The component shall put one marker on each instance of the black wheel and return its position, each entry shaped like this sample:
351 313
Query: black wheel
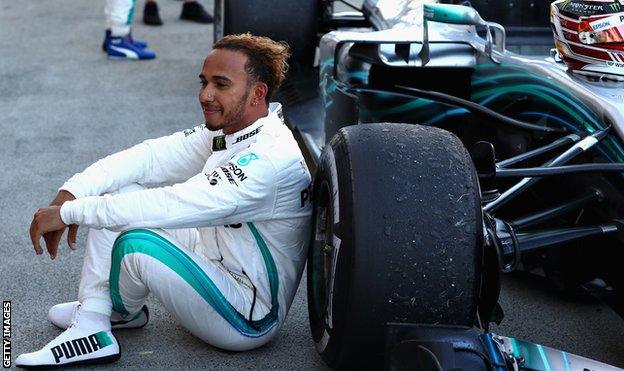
397 238
295 22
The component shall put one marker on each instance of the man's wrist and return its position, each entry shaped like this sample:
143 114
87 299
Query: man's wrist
73 190
61 197
66 193
66 214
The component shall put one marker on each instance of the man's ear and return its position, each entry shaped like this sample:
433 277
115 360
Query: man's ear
260 92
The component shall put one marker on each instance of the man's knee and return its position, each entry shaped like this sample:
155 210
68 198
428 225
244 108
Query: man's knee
134 241
141 241
128 242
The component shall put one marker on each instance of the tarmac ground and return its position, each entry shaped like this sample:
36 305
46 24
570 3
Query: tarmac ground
63 105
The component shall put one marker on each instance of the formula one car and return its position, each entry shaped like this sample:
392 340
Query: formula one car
443 156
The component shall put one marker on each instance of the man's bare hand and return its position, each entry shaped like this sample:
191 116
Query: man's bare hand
47 219
52 239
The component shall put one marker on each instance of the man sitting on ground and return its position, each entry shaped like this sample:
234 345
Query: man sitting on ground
222 249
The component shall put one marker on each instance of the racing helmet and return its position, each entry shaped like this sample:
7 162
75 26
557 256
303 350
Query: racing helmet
589 36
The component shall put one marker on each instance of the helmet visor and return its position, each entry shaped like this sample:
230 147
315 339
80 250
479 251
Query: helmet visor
603 30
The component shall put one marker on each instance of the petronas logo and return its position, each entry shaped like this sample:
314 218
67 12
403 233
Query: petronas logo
245 160
615 7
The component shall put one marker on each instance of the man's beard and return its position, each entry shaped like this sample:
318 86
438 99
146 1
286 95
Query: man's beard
234 116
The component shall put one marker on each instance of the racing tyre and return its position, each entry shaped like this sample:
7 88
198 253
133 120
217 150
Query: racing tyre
295 22
397 238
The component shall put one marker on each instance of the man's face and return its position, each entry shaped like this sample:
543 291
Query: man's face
224 93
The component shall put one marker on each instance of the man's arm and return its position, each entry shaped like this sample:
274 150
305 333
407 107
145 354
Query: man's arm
52 239
227 195
172 158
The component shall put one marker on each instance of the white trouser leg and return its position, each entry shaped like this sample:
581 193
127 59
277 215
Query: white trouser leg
93 292
201 295
119 15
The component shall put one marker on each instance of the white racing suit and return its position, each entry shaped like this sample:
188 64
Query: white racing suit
223 249
119 15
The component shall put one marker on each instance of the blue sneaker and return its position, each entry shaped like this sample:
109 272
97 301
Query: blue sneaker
107 37
123 48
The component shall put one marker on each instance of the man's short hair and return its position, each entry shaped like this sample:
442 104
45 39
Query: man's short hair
267 60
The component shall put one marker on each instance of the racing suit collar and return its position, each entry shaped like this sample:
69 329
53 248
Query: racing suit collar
275 115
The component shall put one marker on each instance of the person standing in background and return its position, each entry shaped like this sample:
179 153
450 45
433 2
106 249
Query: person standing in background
118 41
191 11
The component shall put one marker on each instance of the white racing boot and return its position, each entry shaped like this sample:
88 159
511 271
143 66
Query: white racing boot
88 340
61 316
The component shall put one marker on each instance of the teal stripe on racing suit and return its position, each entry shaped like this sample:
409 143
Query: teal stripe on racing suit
142 241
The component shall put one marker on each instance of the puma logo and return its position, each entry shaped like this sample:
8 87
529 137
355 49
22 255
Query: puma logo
81 346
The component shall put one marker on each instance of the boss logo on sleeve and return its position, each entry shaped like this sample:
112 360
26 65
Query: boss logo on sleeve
229 176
